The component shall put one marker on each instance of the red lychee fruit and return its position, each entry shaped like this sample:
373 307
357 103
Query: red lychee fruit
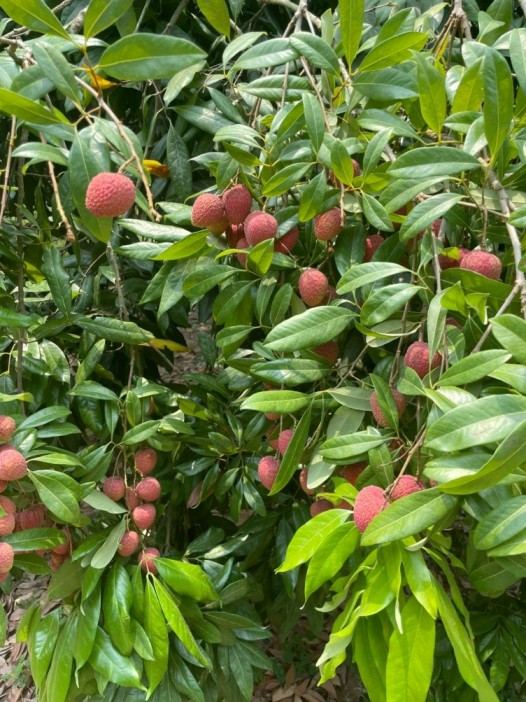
7 522
330 351
144 516
369 502
482 262
237 202
148 489
379 416
284 440
268 468
241 257
417 358
331 295
65 548
114 487
7 427
371 244
31 518
259 227
132 499
328 225
351 472
446 262
13 465
304 475
208 212
56 560
110 195
272 416
3 485
319 506
145 460
7 556
271 431
356 166
313 287
287 242
147 560
234 233
405 485
129 543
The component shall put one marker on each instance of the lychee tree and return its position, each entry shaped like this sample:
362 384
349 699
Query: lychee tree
338 194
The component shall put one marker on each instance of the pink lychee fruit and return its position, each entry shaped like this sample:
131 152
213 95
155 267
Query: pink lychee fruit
287 242
148 489
237 202
330 351
369 502
259 227
284 440
7 522
352 472
379 416
7 427
146 560
144 516
129 543
417 358
114 487
145 460
208 212
13 465
313 287
7 556
110 195
56 560
405 485
482 262
268 468
328 225
319 506
31 518
234 233
131 499
3 485
304 476
241 257
331 295
371 244
65 548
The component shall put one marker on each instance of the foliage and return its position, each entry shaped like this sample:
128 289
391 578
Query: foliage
409 120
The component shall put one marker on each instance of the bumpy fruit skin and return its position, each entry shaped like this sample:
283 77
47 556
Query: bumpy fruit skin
287 242
417 358
352 472
284 440
330 351
268 468
147 560
304 475
369 502
405 485
145 460
129 543
13 465
208 212
241 257
110 195
31 518
313 287
7 522
114 487
234 233
237 202
148 489
319 506
131 499
379 416
7 427
259 227
144 516
328 225
482 262
371 244
7 556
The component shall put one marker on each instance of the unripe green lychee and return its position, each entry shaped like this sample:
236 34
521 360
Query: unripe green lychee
146 560
284 440
417 358
144 516
319 506
7 556
114 487
352 472
110 195
237 202
7 427
145 460
208 212
129 543
287 242
328 225
259 226
330 351
13 465
405 485
313 287
378 414
304 476
482 262
268 468
148 489
371 244
369 502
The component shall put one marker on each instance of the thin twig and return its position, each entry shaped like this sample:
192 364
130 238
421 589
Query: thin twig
7 173
70 234
173 19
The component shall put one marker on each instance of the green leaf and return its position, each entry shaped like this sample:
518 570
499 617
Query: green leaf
420 580
57 69
65 581
57 278
375 213
474 367
59 674
379 120
351 445
432 161
411 654
312 197
316 51
389 84
191 245
330 556
292 455
310 328
367 273
389 52
43 417
283 180
113 666
310 537
155 628
204 279
289 371
272 52
35 539
407 516
510 332
384 302
36 15
501 524
99 501
102 14
117 600
469 93
115 330
88 619
141 432
27 110
187 579
41 643
216 12
107 551
432 94
341 163
351 23
518 56
498 100
279 401
59 493
425 214
259 260
314 121
144 56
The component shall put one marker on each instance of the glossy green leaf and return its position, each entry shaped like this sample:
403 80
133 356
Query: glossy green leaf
289 371
272 52
426 212
469 93
341 163
310 328
187 579
351 445
510 332
102 14
279 401
36 15
474 367
425 162
498 100
285 179
216 12
392 51
386 85
518 56
117 600
58 492
157 632
432 94
292 455
107 551
115 330
191 245
314 121
316 51
367 273
384 302
88 620
420 580
330 556
501 524
108 662
59 673
44 538
28 110
56 67
41 644
351 22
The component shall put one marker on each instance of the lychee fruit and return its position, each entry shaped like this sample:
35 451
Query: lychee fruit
284 440
287 242
7 556
272 416
351 472
259 227
148 489
304 476
371 244
319 506
56 560
446 262
405 485
482 262
65 548
237 202
356 166
379 416
331 295
31 518
114 487
453 322
241 257
330 351
144 516
7 522
417 358
13 465
369 502
129 543
147 560
3 485
268 468
132 499
234 233
313 287
7 427
208 212
110 195
328 225
145 460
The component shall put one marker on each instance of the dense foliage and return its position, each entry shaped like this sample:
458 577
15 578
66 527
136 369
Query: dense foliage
399 353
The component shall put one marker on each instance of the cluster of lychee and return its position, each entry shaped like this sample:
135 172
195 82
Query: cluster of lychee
138 499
